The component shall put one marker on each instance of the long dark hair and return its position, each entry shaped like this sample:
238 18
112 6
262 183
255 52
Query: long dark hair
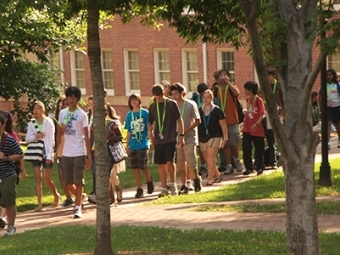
8 120
335 75
57 110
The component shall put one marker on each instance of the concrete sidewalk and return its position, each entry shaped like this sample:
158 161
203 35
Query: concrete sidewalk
132 212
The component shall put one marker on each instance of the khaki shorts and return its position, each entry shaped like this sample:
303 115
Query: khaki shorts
234 137
73 170
187 154
214 142
8 191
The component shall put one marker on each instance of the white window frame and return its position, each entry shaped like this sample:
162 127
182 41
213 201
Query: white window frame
156 64
219 59
73 72
110 92
60 66
185 72
128 90
338 62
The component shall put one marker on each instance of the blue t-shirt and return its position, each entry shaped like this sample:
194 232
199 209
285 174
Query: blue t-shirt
137 124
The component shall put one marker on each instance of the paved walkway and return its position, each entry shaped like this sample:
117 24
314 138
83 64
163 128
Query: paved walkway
132 212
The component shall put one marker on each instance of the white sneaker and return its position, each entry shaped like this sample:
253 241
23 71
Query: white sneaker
173 189
229 169
189 185
239 166
10 231
163 193
78 214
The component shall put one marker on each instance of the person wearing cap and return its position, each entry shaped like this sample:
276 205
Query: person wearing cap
164 118
186 156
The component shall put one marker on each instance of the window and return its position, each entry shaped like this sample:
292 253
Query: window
334 62
78 70
225 59
190 69
107 70
56 61
162 65
131 62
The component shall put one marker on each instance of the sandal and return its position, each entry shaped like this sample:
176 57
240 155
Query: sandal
119 195
219 179
209 183
56 203
39 209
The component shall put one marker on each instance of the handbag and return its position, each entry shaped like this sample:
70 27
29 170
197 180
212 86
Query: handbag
117 151
17 163
35 151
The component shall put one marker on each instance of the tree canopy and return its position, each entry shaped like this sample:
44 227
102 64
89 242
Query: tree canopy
39 28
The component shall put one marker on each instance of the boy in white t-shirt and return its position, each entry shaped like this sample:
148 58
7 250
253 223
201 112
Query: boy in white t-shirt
76 150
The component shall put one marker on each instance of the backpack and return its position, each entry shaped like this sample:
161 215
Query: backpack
238 105
17 164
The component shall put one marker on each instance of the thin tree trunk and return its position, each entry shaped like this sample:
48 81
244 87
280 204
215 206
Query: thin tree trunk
103 222
296 138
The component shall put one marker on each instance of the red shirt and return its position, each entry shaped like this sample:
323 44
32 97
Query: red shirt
255 109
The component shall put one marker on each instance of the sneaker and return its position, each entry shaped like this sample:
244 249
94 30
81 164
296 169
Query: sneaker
92 199
151 186
229 170
163 193
203 170
222 169
67 203
238 166
329 146
198 184
184 190
77 214
139 193
173 189
259 171
10 231
247 172
3 222
189 185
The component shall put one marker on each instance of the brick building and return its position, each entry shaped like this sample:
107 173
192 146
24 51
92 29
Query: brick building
135 57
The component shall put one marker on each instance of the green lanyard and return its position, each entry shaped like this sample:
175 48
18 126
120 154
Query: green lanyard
69 115
182 109
223 99
139 125
161 125
274 89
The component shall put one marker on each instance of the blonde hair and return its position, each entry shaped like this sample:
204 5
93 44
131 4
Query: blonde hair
42 106
208 91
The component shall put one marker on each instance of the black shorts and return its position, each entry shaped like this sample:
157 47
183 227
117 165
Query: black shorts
333 114
138 159
165 153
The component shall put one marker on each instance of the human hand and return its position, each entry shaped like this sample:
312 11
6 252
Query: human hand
88 162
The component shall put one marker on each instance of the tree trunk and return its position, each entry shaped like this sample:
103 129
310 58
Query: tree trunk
103 222
296 138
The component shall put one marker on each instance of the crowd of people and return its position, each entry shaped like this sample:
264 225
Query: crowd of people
174 127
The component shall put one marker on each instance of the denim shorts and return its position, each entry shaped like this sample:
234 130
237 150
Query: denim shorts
37 163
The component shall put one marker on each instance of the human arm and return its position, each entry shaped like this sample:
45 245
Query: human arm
31 133
233 88
88 161
180 125
49 139
223 125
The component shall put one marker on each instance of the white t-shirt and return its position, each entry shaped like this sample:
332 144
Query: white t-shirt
76 121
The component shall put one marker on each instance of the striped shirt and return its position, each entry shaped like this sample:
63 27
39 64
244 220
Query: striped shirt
7 168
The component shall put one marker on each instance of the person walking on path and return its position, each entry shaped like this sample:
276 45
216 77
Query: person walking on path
138 143
76 151
42 128
186 155
212 134
253 129
226 94
165 116
10 151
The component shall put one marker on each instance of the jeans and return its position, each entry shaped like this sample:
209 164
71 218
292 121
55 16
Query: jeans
247 146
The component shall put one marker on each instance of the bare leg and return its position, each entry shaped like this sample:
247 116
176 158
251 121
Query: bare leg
162 175
38 186
50 184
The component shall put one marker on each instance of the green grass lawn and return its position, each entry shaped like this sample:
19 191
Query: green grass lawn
57 240
265 186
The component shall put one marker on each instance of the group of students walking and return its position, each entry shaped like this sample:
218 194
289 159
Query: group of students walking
173 126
